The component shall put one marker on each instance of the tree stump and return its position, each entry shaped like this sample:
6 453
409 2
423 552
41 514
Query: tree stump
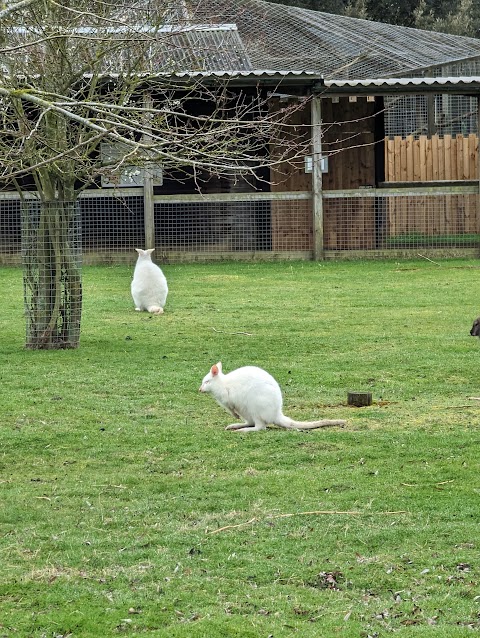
359 399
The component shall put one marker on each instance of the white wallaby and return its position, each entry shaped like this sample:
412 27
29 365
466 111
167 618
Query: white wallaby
149 286
253 395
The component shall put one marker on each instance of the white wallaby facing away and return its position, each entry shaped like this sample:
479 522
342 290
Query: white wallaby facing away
253 395
149 286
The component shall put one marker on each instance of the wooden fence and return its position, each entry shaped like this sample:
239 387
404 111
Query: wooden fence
428 159
431 158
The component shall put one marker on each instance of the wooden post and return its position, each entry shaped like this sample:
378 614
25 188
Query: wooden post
317 189
478 166
359 399
148 207
431 126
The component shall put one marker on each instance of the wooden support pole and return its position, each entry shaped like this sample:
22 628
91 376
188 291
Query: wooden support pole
148 209
148 206
478 165
317 188
431 125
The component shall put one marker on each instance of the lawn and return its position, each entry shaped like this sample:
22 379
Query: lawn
127 509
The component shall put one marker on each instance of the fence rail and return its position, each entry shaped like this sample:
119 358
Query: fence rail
432 158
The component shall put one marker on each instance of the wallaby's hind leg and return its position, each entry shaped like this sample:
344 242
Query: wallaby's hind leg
246 427
238 426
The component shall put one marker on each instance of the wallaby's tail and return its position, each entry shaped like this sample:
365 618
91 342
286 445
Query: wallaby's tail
286 422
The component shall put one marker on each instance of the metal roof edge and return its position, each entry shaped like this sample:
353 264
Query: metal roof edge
319 85
464 84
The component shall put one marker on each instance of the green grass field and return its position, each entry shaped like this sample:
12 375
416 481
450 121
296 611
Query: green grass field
127 509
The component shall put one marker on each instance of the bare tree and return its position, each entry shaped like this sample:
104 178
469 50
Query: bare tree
81 77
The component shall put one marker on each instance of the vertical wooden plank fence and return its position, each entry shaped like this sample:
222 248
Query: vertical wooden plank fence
431 158
427 159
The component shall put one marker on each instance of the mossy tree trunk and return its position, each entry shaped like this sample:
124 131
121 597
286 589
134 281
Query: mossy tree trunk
51 241
52 274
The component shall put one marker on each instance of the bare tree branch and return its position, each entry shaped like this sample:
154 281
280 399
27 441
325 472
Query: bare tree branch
12 8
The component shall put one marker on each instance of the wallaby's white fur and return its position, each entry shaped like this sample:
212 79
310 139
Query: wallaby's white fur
149 286
253 395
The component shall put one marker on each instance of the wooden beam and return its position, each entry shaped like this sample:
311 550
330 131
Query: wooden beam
477 208
148 209
148 206
431 125
317 186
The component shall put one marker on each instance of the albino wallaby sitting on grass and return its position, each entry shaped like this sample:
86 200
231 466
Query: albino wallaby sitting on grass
253 395
149 286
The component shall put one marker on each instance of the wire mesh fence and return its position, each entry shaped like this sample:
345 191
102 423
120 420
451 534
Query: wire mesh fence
111 223
10 228
386 221
241 227
51 255
226 225
435 114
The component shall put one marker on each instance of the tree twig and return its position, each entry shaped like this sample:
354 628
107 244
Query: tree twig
290 514
222 529
248 334
431 260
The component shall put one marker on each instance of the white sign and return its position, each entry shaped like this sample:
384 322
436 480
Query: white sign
129 175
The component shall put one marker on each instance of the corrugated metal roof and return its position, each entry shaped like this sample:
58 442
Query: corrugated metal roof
314 82
468 84
204 48
403 81
261 74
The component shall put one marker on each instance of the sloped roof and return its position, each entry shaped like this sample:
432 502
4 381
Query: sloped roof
203 47
245 36
283 38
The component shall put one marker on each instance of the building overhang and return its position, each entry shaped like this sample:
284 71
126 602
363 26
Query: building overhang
390 86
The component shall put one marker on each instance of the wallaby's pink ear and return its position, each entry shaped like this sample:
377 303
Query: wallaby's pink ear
139 250
216 368
149 251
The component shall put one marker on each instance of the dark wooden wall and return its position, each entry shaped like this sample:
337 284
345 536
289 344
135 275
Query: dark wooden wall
349 143
350 130
348 140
